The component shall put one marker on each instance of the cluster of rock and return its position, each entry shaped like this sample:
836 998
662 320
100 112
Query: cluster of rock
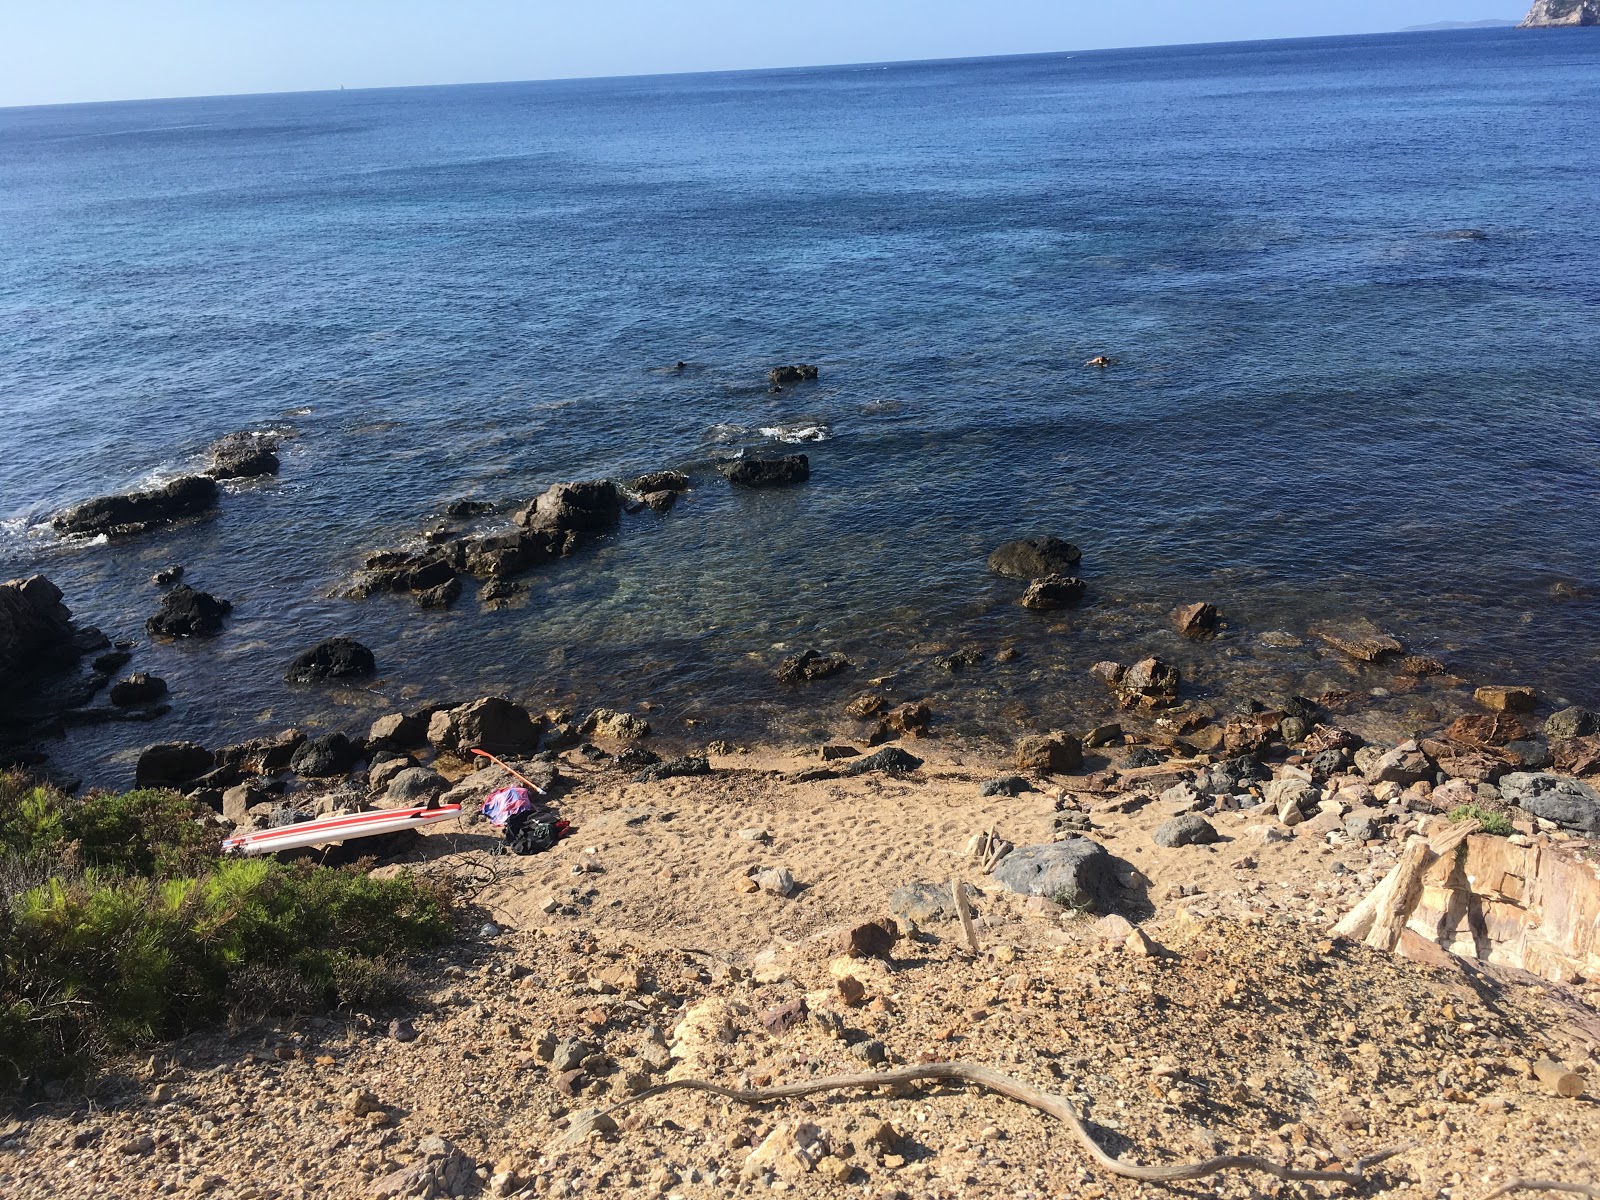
1044 564
236 456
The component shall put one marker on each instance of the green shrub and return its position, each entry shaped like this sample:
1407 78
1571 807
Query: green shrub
1496 823
125 950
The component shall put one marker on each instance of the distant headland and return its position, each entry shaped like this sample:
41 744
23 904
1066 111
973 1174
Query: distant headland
1445 26
1562 12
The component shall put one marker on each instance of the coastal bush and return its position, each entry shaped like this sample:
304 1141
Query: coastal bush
119 925
1496 823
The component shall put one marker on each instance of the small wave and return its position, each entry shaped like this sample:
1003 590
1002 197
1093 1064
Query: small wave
726 433
801 431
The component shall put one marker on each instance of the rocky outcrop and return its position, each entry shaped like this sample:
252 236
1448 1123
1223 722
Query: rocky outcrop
1034 558
243 456
1567 802
809 665
1547 13
35 626
138 688
769 472
1196 621
136 512
1056 753
1359 639
588 507
797 373
335 658
493 723
185 612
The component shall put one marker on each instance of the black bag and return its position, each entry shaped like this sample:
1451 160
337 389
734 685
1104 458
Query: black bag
524 835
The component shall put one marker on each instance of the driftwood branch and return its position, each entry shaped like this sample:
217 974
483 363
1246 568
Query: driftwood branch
1389 904
1005 1085
1543 1185
958 891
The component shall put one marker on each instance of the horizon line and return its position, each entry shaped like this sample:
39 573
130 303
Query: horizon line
834 66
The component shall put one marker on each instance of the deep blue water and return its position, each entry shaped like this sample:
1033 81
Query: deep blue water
1322 404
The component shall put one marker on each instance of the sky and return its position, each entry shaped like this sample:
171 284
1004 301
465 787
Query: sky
66 51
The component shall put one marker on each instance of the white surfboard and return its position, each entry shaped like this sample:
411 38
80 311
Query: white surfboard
338 828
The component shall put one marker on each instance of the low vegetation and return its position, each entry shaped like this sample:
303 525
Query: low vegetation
1496 823
120 925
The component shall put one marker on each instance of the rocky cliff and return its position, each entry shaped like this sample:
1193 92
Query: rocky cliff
1562 12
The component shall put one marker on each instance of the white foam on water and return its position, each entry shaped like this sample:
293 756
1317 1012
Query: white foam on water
803 431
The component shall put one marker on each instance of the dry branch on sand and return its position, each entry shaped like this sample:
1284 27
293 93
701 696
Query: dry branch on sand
1056 1106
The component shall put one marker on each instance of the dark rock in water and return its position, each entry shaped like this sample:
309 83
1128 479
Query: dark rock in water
243 456
441 595
661 481
1421 666
1197 621
1142 756
798 373
112 661
1053 592
891 759
319 757
335 658
1077 873
493 723
137 512
1108 672
922 903
1034 558
262 756
502 555
1463 235
427 574
167 576
905 720
185 612
1567 802
498 590
1571 723
959 660
694 764
1360 639
769 472
586 507
809 665
1189 829
138 688
660 502
1054 753
1006 785
461 510
172 765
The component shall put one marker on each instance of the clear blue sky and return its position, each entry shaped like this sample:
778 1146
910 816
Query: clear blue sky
56 51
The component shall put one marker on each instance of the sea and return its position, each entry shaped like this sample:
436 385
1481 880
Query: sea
1350 287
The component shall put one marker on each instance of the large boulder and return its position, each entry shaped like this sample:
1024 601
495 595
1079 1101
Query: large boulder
172 765
1196 621
243 456
589 506
335 658
398 731
412 787
1150 681
1571 722
320 757
35 626
1077 873
493 723
117 516
1186 829
1052 592
185 612
138 688
1034 558
1054 753
796 373
1567 802
1405 764
769 472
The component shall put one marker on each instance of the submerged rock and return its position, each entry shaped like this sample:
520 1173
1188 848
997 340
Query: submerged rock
243 456
1034 558
1359 639
335 658
138 688
809 665
797 373
185 612
1052 592
136 512
769 472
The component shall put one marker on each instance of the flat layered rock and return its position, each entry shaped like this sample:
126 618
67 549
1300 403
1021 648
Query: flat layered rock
136 512
1360 640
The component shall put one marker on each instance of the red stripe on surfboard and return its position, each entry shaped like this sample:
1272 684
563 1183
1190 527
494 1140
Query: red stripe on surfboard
356 821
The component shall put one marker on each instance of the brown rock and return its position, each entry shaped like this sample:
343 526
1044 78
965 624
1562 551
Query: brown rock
870 939
1196 621
865 706
1054 753
851 991
1052 592
1331 737
910 719
1505 699
1420 664
1150 679
1482 729
782 1017
1360 640
1577 756
1108 673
